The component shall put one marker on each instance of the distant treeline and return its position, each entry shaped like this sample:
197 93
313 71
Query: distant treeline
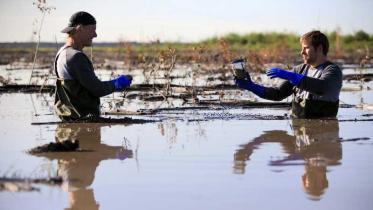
256 41
259 47
250 40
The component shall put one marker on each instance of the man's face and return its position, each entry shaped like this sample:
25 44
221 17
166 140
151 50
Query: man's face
88 32
309 53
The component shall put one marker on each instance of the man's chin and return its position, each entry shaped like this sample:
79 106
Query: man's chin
88 44
306 61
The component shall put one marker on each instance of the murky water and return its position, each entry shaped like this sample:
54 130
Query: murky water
174 164
223 158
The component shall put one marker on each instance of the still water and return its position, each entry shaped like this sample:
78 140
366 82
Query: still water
181 164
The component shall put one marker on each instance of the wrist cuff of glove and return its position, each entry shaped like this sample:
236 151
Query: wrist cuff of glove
297 79
116 85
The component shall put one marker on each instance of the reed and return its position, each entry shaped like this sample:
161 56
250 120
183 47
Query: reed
42 6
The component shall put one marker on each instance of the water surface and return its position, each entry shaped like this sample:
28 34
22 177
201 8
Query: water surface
218 158
179 164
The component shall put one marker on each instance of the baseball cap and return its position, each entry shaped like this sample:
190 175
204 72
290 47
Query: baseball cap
79 18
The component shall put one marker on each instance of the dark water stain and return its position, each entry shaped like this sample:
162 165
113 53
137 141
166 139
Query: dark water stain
64 146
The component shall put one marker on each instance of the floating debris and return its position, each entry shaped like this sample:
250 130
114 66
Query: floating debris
125 120
4 81
365 106
354 139
25 184
354 120
14 88
364 77
367 115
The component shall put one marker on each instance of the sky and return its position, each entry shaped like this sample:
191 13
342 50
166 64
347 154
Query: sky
184 20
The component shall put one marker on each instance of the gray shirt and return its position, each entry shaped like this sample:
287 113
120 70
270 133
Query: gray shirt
322 83
73 64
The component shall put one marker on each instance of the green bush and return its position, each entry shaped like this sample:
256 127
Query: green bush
257 41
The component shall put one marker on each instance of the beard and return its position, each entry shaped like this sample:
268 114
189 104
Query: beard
88 43
309 59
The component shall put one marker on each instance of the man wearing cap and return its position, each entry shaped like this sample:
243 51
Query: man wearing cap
78 90
315 84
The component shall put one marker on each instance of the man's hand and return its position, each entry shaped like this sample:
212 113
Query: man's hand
294 78
122 82
249 85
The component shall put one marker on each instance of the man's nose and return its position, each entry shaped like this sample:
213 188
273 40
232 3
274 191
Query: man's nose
302 52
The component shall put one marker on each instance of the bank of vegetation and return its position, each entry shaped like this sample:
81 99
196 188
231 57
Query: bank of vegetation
257 47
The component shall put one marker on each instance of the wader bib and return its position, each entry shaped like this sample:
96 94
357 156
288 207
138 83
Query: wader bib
308 107
72 100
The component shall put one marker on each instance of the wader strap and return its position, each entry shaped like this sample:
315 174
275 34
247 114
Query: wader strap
61 95
55 60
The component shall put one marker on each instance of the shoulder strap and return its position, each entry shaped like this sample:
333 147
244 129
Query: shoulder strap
55 60
304 69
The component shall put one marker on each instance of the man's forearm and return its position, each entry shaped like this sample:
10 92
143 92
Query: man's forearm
278 93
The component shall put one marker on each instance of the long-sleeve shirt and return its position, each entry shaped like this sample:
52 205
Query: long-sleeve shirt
78 90
73 64
317 95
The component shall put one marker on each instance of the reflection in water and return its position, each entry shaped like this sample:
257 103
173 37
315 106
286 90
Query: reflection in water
78 168
315 144
169 130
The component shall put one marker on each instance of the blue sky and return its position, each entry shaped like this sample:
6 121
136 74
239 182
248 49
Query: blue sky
188 20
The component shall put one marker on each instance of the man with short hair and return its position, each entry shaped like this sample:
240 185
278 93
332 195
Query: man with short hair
78 90
315 84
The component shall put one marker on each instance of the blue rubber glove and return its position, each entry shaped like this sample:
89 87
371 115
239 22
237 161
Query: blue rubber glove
294 78
121 82
249 85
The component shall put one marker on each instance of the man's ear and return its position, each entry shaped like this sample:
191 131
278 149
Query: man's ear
78 28
320 49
